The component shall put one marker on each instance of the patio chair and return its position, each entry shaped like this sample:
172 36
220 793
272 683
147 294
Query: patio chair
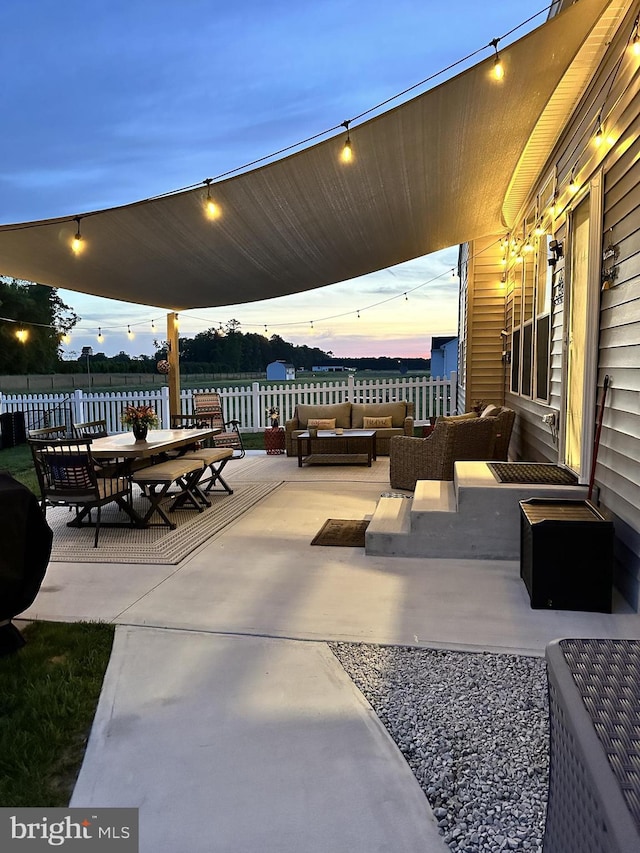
53 432
91 429
433 458
207 412
67 476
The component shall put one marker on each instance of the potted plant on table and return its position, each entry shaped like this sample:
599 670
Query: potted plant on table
139 418
274 416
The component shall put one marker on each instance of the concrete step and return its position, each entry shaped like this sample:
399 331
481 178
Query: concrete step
474 517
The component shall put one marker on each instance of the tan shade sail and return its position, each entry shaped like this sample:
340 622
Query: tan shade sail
426 175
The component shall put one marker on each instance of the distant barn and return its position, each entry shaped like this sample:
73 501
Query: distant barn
280 370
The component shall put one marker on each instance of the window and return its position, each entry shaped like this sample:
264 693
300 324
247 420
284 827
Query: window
529 304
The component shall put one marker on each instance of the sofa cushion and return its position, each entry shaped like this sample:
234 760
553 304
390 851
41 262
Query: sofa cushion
340 411
377 423
397 411
322 423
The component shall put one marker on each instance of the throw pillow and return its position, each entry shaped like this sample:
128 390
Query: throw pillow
377 423
322 423
490 412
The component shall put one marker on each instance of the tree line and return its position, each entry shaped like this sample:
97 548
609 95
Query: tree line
223 350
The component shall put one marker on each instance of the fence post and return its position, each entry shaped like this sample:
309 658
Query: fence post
453 392
165 412
1 403
255 405
77 407
351 385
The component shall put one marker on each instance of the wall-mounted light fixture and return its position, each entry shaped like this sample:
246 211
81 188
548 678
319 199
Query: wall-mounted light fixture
557 251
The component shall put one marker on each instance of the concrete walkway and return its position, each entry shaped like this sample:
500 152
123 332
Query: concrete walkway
227 730
248 744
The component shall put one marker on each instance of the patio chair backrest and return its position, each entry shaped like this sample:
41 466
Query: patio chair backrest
53 432
91 429
209 407
64 468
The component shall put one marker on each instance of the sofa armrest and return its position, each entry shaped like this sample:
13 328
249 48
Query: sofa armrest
289 427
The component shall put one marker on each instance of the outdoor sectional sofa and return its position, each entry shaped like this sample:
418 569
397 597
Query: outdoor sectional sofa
351 416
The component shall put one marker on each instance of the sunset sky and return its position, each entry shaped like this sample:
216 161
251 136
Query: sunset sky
113 102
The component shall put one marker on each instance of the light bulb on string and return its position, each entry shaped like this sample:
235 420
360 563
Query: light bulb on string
22 335
76 244
347 151
498 67
358 313
130 334
100 335
212 209
406 298
599 132
311 323
635 43
66 338
153 326
573 184
266 331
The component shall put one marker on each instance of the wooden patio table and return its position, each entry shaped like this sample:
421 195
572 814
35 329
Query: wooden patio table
124 447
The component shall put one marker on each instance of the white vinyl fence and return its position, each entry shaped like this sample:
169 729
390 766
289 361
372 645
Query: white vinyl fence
249 405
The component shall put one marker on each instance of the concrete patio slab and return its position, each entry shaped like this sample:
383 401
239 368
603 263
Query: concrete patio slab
244 744
230 732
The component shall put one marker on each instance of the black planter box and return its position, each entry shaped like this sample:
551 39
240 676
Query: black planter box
566 555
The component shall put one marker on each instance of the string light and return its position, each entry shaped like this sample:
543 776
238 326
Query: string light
358 313
212 209
66 338
635 44
22 335
100 335
311 323
498 67
77 244
599 132
153 327
573 184
266 331
130 334
347 151
406 298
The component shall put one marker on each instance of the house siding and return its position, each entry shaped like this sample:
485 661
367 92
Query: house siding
485 320
617 473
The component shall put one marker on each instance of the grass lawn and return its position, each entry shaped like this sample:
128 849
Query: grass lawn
49 690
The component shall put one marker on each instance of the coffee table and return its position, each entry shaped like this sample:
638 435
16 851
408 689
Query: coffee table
352 447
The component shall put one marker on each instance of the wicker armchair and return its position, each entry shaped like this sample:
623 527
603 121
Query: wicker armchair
432 458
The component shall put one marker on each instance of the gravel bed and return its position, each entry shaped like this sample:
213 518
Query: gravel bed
474 729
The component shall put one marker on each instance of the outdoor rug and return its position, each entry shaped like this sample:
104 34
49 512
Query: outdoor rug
345 532
154 545
276 468
533 473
